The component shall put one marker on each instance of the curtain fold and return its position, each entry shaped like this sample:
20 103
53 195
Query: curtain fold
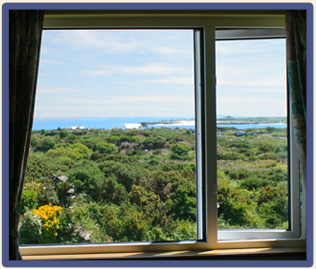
25 30
296 76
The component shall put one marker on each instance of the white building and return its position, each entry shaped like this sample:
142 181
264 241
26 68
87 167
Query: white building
132 126
77 127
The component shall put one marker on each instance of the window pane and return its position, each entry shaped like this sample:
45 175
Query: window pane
252 137
112 155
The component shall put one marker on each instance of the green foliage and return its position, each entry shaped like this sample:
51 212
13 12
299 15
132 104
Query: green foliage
63 134
188 167
89 224
180 152
233 208
127 176
184 230
140 185
253 182
158 142
238 173
76 151
30 228
62 189
36 168
183 201
106 148
47 192
29 200
34 142
126 138
109 190
85 178
46 144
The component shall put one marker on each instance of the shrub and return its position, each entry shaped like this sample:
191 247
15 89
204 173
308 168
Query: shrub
238 173
85 178
229 156
158 142
47 144
29 200
47 192
183 201
106 148
109 190
180 152
30 228
266 148
254 183
185 230
75 151
63 134
34 142
50 220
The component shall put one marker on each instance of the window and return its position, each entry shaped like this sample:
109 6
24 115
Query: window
113 143
253 144
205 27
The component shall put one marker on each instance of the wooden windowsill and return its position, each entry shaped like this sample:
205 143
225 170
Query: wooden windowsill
249 253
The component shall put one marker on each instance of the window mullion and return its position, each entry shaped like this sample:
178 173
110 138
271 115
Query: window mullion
210 134
198 133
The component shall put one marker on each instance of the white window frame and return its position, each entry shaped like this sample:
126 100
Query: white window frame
294 218
206 22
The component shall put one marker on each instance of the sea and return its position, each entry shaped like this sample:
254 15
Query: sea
109 123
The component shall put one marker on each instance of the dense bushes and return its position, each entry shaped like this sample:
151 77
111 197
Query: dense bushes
139 185
180 152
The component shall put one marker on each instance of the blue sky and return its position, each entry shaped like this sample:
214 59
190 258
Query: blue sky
251 78
130 73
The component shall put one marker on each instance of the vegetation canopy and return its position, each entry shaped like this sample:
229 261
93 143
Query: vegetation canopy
98 186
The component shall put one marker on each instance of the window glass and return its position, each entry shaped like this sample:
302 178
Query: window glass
252 136
112 155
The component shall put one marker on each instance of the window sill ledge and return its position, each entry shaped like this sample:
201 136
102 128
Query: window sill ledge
233 254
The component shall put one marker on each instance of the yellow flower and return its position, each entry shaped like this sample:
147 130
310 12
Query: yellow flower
49 215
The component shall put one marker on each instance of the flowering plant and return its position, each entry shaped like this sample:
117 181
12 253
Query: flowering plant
50 219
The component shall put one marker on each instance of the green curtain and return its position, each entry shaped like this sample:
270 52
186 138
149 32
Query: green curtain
25 30
296 76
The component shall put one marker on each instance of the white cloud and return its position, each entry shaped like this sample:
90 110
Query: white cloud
174 80
172 51
168 42
106 40
246 100
252 107
264 90
57 91
250 76
117 106
249 47
46 61
148 69
101 100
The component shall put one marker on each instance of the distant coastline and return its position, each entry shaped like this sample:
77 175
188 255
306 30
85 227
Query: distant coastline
225 121
149 122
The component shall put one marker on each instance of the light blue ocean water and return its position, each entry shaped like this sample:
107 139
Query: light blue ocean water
108 123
